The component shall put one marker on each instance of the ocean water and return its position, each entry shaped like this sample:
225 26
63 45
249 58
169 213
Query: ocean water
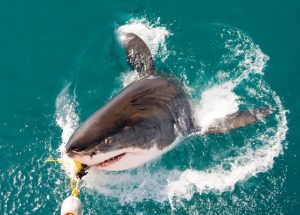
60 61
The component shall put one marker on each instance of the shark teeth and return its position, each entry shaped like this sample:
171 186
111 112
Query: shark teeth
110 160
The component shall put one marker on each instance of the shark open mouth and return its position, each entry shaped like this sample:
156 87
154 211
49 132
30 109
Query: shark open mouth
110 160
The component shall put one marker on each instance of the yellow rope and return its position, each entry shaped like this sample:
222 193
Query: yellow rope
55 160
75 190
78 167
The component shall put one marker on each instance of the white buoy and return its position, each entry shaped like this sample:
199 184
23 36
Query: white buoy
71 206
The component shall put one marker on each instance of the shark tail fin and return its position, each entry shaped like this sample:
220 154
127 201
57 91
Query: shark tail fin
138 54
238 119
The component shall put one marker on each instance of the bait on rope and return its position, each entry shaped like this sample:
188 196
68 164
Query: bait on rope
72 205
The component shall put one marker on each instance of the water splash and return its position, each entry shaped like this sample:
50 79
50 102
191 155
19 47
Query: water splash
132 186
153 34
67 119
215 103
129 77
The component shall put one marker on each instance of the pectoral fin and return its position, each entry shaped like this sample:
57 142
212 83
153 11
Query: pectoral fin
238 120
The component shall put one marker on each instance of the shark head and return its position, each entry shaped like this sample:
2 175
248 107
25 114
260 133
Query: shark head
128 148
133 128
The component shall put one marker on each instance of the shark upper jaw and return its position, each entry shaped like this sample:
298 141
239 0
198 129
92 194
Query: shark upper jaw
118 160
113 161
98 160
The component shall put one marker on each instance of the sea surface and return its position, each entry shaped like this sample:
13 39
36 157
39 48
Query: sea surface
61 60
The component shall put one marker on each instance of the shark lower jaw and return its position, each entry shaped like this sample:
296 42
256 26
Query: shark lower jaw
110 161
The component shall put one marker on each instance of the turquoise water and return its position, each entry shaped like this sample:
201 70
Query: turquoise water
60 61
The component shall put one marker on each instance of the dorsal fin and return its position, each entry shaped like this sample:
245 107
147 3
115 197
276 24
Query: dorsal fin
138 54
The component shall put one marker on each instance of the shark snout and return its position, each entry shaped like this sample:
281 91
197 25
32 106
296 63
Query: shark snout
76 147
69 148
72 146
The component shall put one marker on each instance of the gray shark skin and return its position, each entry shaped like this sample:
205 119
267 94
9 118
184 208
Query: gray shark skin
146 112
149 113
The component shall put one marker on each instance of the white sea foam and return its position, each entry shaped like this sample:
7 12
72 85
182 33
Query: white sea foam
129 77
152 34
216 102
131 186
67 119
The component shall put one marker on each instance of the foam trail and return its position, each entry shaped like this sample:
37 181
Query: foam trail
131 186
219 101
68 120
66 117
253 63
243 167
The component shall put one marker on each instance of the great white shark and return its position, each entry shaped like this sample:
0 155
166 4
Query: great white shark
145 120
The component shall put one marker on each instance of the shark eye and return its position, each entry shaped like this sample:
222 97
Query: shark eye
108 140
